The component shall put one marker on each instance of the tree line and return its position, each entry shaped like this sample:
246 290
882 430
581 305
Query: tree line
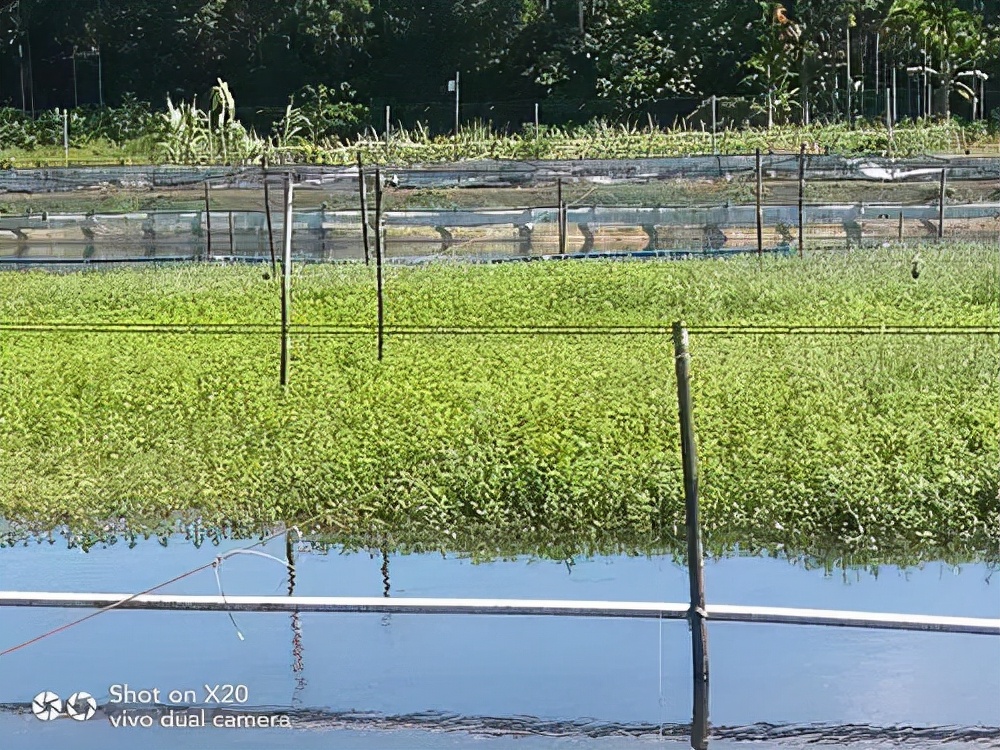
797 61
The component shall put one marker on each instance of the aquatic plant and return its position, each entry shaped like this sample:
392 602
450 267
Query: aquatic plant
868 444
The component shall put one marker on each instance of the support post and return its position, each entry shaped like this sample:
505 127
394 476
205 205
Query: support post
232 236
888 116
802 193
536 122
562 217
696 578
378 263
941 199
714 149
388 128
208 220
66 135
901 226
850 119
895 93
457 113
286 278
760 210
270 223
363 191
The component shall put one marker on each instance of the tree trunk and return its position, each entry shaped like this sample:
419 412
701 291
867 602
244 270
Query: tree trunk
942 95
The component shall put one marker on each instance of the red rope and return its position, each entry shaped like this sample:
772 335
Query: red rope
127 599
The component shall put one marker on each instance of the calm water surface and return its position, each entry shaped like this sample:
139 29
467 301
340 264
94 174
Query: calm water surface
398 681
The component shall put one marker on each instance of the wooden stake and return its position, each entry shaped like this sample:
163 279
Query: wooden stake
696 577
562 217
760 210
270 225
378 263
286 278
714 149
232 238
900 226
941 198
66 135
208 219
363 190
802 193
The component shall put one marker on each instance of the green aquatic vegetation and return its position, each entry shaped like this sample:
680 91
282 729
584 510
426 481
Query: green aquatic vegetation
872 445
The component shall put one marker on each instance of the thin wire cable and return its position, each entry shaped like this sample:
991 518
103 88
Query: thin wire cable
319 329
128 599
218 579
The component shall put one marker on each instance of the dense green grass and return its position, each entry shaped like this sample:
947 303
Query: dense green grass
884 445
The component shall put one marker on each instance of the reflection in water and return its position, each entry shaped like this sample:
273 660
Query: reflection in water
792 735
386 619
385 572
298 664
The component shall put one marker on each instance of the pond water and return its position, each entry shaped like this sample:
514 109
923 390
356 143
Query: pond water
401 681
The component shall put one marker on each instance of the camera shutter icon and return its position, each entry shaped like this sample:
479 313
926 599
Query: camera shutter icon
47 706
81 706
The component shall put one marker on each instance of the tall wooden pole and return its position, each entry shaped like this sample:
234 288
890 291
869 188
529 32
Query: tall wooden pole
562 217
363 190
802 193
941 199
696 576
714 149
378 263
760 210
208 220
232 235
270 223
286 278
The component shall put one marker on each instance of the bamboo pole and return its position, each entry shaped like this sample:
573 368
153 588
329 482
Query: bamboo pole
270 224
714 149
286 278
760 210
696 577
362 190
208 219
802 193
562 217
379 299
66 135
941 199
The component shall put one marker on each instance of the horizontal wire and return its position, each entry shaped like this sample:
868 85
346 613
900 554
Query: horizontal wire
248 329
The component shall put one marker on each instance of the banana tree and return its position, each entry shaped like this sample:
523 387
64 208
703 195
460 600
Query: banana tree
954 37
